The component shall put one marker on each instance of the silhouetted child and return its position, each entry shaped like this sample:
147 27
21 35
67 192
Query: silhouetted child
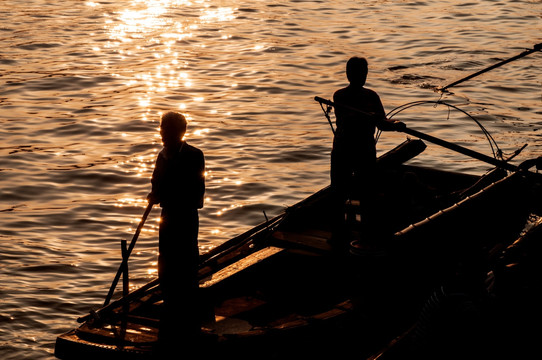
353 157
178 185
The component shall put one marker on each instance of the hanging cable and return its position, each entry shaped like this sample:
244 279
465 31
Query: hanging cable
497 153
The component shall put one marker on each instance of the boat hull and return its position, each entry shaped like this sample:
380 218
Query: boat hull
283 287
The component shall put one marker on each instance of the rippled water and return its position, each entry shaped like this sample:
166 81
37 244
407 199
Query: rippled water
83 85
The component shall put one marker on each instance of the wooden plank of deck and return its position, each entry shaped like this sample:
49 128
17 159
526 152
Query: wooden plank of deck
121 332
240 265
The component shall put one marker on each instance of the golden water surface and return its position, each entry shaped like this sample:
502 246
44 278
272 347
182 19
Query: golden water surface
83 84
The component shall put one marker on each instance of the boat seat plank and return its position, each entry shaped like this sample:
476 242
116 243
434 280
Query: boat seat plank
144 320
319 233
235 306
239 266
305 239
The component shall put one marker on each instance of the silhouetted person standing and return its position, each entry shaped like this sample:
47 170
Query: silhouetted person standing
178 185
353 158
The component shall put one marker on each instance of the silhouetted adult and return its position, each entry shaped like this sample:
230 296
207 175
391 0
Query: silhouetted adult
353 158
178 185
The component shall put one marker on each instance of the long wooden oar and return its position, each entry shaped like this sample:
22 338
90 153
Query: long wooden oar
537 47
124 262
461 149
434 140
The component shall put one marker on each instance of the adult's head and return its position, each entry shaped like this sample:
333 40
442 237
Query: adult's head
172 128
356 70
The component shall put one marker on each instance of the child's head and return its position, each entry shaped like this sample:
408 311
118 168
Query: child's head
172 128
356 70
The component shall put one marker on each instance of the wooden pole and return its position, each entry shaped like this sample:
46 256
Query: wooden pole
129 251
461 149
125 276
537 47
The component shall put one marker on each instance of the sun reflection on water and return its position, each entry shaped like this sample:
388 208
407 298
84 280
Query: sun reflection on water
159 33
152 30
151 26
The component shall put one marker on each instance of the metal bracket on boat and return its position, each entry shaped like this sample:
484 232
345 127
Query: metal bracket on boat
92 316
326 111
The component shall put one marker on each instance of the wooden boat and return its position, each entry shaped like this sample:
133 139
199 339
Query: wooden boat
281 290
503 318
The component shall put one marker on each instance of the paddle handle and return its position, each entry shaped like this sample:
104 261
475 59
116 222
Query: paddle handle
124 262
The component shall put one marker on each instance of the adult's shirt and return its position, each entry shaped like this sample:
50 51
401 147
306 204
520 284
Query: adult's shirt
178 179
